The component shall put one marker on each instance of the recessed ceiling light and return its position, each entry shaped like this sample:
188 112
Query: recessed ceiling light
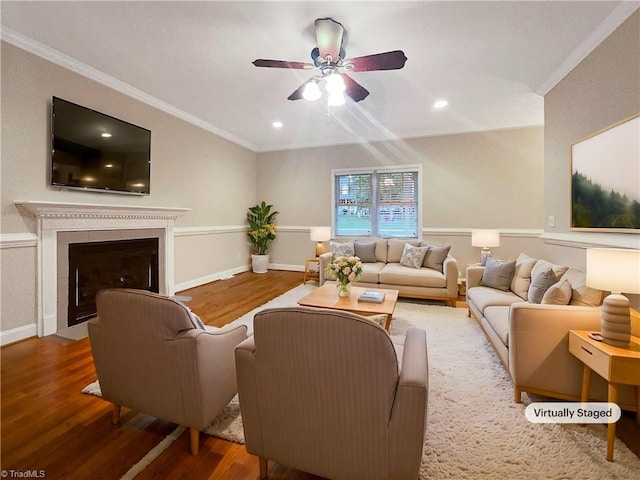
440 104
277 124
105 135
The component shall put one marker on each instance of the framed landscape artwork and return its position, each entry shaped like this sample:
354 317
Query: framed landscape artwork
605 179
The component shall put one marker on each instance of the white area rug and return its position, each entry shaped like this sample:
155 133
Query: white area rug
474 429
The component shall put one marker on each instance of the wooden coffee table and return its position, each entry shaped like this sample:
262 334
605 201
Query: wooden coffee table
327 297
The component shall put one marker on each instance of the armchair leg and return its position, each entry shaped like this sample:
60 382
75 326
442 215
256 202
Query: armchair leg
517 395
263 468
115 414
195 440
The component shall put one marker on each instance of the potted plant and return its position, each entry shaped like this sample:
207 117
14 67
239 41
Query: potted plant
262 230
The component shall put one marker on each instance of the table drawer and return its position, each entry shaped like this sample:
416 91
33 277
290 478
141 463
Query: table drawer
597 360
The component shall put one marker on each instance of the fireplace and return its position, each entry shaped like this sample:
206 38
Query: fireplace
94 266
61 224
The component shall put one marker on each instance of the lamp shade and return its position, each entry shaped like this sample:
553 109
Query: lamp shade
485 238
320 234
613 269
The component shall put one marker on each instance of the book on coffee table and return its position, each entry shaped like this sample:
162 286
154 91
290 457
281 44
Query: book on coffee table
371 297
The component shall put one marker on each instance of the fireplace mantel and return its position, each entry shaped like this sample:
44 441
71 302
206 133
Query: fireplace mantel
95 210
55 217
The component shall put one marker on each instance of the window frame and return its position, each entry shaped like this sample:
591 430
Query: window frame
375 206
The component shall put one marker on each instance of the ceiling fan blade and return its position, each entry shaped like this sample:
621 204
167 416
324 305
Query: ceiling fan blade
282 64
393 60
297 95
329 35
354 90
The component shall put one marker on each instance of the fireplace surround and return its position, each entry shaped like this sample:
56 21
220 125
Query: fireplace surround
59 224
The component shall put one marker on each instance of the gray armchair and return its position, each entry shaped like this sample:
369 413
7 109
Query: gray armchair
150 356
329 393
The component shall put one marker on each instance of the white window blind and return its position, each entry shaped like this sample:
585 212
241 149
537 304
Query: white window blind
382 203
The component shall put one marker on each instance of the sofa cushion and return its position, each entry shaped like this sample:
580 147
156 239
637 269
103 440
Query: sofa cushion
395 248
345 249
522 276
484 297
365 251
498 274
435 256
540 282
413 256
558 294
498 318
396 274
371 272
581 294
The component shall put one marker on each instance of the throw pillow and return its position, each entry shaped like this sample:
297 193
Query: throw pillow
366 251
345 249
498 274
435 256
582 295
413 256
522 276
540 282
395 247
558 294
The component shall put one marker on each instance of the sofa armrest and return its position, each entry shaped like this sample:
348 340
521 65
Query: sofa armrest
325 260
539 354
409 415
450 270
474 276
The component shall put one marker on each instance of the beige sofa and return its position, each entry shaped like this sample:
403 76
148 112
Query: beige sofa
532 339
437 277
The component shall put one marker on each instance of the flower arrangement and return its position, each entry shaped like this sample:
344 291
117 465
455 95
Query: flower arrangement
262 227
345 270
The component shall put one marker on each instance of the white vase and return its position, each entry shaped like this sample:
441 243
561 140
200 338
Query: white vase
259 263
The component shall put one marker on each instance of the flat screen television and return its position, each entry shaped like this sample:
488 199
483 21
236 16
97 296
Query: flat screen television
97 152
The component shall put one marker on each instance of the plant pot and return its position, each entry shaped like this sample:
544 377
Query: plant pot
259 263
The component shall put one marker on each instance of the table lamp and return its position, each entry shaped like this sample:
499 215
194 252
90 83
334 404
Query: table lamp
616 270
485 239
319 235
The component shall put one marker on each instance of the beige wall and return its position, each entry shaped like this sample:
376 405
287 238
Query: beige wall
190 167
507 179
476 180
602 90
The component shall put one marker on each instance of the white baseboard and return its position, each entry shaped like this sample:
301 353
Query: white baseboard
196 282
18 333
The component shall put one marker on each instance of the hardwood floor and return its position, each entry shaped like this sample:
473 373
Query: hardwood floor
47 425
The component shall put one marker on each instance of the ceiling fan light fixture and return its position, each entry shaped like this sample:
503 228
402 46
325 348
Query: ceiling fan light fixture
336 99
311 91
335 83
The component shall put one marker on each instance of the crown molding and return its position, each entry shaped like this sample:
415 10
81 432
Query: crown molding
606 28
54 56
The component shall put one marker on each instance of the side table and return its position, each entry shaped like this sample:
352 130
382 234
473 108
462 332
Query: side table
615 364
311 273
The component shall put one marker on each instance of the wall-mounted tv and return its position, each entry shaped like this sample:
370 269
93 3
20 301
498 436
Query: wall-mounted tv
94 151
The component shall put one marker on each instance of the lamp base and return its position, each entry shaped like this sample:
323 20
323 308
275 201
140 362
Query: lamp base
615 326
320 249
485 254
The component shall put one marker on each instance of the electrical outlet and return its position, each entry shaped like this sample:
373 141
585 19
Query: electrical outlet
551 221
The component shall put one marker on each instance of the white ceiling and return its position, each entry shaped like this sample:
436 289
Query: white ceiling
493 61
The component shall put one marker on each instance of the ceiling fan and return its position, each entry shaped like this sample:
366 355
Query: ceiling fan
329 58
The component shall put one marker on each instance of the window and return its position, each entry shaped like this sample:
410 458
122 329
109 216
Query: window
380 203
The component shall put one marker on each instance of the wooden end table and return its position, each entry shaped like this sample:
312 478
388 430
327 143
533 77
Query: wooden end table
309 274
327 297
615 364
